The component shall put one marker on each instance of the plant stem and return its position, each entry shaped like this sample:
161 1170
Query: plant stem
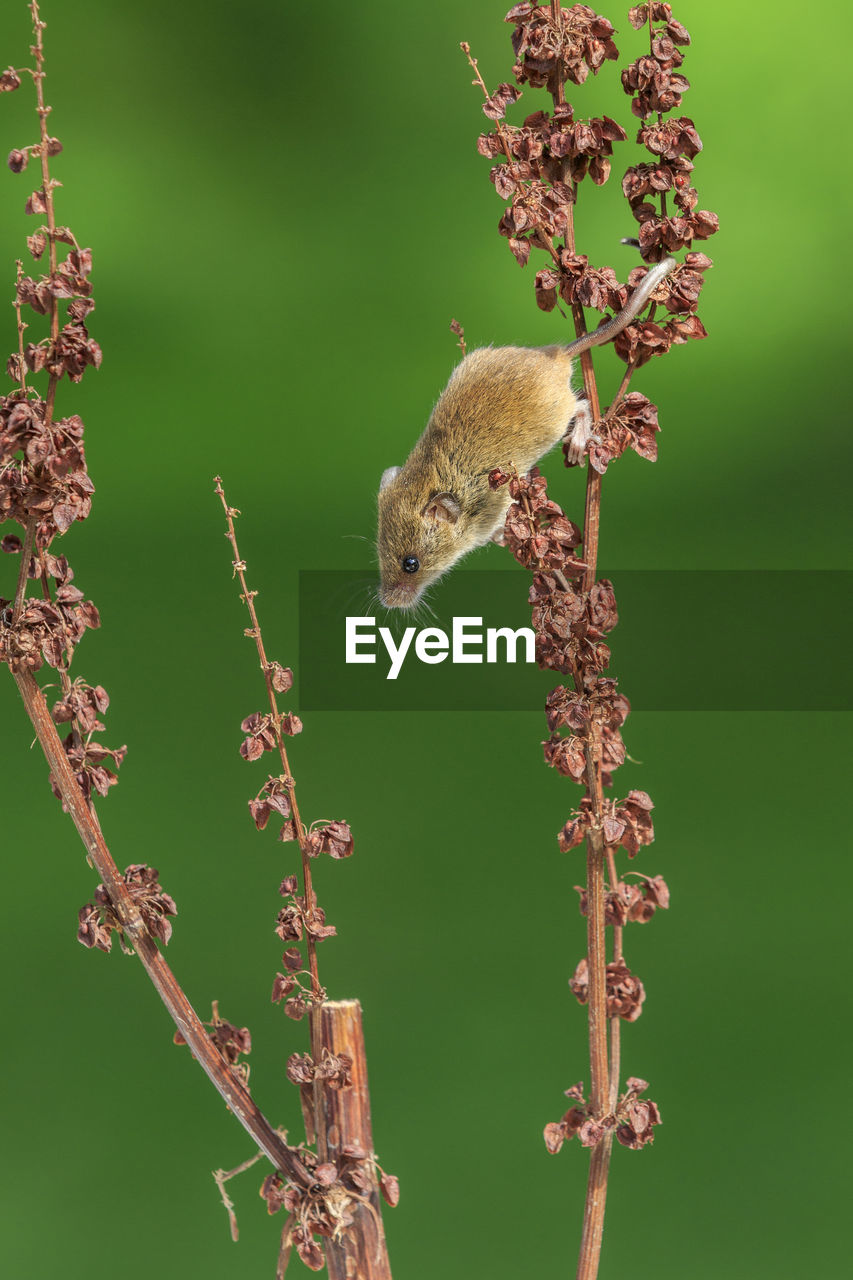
47 186
593 1218
600 1080
343 1118
266 667
597 974
22 367
26 556
615 1023
623 387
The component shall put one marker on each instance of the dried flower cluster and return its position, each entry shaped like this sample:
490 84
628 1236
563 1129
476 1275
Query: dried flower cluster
231 1042
46 630
98 919
637 902
657 87
631 423
327 1208
552 50
335 1069
543 159
632 1120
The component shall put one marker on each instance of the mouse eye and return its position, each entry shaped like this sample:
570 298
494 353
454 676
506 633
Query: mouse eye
411 564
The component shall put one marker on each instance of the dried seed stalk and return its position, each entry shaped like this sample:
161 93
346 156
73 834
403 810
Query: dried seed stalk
540 165
44 487
336 1220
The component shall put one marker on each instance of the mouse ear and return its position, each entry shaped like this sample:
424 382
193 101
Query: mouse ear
389 474
442 506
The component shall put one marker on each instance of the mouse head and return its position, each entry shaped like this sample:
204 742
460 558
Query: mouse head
420 536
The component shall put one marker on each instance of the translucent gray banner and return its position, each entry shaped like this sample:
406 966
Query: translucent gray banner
715 640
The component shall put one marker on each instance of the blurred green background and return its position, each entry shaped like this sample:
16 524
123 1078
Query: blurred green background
286 209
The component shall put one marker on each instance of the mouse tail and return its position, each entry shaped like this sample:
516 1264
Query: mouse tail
632 307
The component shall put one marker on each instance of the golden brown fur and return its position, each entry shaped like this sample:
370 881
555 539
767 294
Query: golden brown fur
502 406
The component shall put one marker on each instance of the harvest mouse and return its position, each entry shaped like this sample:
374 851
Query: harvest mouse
502 405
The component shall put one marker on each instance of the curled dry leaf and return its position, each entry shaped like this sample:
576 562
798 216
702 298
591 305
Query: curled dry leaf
282 987
504 96
390 1188
282 677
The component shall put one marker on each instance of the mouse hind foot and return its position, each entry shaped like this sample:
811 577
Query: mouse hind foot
578 434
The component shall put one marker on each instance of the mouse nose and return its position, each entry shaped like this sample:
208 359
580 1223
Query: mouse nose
398 595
